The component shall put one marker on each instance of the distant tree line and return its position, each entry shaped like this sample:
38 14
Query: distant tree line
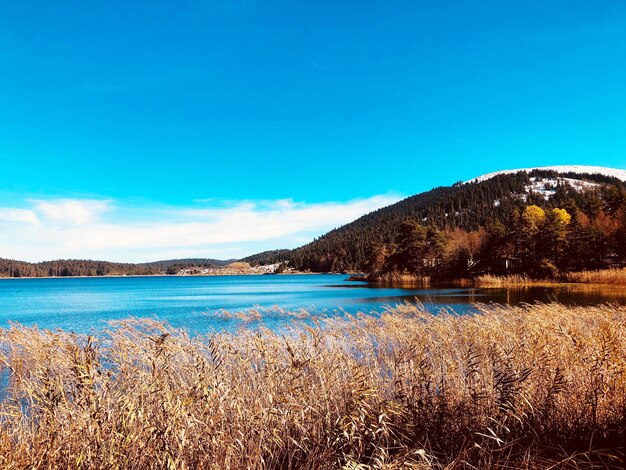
75 267
267 257
64 268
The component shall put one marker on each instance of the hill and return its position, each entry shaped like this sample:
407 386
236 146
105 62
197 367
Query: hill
73 267
209 262
76 267
572 169
468 207
464 228
268 257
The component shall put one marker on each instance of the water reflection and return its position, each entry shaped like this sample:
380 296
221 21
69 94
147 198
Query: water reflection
191 302
566 294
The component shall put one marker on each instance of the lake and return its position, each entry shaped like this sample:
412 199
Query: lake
197 303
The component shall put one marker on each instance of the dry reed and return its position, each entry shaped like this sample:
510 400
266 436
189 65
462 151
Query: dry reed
614 276
511 387
511 280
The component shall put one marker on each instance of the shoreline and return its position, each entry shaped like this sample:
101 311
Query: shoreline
494 282
156 275
420 283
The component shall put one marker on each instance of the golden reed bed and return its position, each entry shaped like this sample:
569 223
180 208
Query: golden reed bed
511 280
604 277
616 277
540 386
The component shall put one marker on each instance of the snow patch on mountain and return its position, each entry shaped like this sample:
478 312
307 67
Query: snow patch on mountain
580 169
547 187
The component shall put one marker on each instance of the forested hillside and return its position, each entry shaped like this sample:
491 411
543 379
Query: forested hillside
204 262
63 268
535 222
267 257
594 202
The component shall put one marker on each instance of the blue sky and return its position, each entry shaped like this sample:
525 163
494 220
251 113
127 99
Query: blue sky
135 114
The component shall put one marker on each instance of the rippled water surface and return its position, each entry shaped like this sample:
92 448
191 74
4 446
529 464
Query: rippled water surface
80 304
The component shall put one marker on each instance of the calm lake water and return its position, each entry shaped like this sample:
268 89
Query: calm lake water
197 303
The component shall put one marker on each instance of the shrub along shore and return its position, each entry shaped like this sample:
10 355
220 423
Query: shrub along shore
510 387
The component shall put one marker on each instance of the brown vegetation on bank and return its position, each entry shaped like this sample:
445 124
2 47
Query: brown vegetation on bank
399 279
512 280
615 277
511 387
608 277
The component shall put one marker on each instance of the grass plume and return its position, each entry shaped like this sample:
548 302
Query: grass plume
511 280
614 276
609 277
510 387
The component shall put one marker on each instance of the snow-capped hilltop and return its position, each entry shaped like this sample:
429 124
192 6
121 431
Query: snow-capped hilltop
614 172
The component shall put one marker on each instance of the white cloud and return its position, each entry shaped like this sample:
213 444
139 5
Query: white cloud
99 229
72 211
18 215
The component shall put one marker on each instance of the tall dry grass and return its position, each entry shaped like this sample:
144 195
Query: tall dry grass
540 386
615 276
510 280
